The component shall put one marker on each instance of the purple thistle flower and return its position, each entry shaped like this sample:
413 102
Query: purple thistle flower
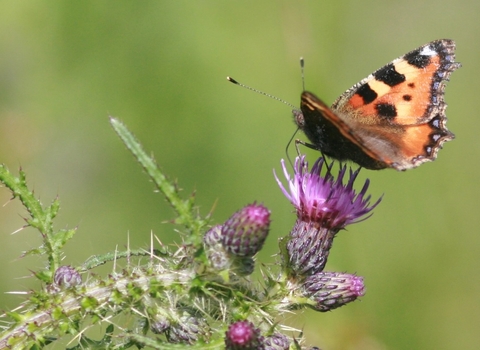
324 200
330 290
243 335
244 233
324 206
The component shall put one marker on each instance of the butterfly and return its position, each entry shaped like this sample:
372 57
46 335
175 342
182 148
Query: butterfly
394 118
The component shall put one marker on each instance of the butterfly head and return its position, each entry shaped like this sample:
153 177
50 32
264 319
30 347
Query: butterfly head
298 118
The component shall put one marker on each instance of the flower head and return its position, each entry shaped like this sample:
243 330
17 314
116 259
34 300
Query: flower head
243 335
244 233
66 277
324 206
213 236
330 290
277 341
159 325
326 200
187 330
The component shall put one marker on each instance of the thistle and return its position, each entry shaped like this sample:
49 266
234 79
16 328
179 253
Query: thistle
201 292
324 206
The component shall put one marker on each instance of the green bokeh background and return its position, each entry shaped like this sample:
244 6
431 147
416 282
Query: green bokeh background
160 66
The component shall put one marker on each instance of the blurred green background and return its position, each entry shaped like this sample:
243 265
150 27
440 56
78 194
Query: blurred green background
160 66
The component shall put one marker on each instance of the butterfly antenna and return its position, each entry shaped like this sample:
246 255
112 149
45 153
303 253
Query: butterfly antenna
302 69
294 109
230 79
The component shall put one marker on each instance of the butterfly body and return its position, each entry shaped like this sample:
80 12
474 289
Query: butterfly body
394 118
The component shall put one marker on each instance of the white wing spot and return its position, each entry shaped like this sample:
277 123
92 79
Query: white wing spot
428 51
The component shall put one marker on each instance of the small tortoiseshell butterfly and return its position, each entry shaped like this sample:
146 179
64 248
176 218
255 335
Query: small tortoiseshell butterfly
394 118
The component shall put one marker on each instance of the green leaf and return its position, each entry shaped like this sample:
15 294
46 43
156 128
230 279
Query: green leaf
185 208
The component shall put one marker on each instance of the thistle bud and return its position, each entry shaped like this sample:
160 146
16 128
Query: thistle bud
213 236
244 233
277 341
188 330
66 277
242 335
159 325
330 290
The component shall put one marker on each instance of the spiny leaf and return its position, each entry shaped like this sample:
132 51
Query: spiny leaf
184 208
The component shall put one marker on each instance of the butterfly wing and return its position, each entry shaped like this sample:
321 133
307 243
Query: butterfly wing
397 114
333 136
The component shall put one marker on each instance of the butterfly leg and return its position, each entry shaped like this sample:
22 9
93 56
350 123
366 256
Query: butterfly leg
297 142
309 145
